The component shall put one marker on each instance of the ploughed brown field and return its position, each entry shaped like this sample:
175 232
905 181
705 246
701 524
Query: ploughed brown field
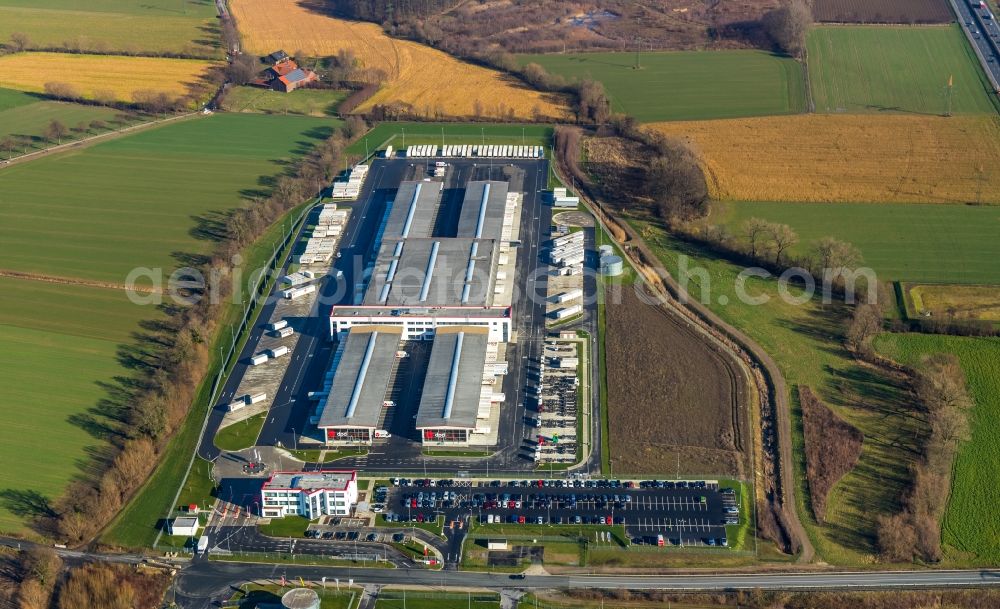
670 394
882 11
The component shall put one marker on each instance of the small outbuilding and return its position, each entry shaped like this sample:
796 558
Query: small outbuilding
184 526
496 544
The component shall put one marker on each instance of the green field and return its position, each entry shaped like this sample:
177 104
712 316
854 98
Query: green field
894 69
971 523
421 599
60 346
688 85
454 134
76 215
27 121
311 102
143 26
806 342
137 201
925 243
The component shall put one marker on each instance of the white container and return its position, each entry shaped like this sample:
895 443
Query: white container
569 295
281 323
257 397
278 351
569 311
234 406
260 358
284 332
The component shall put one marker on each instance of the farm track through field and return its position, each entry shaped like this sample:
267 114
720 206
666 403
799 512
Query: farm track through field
83 282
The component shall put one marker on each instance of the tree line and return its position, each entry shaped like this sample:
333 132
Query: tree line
939 388
150 408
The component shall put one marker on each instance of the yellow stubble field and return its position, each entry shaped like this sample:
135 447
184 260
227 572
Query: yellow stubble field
429 81
93 75
851 158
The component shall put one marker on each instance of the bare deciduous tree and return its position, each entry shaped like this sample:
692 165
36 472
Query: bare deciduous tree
788 25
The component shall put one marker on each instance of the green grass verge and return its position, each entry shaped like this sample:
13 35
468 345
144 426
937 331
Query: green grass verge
688 85
971 522
454 134
398 599
894 69
313 455
310 102
156 26
444 452
242 434
905 242
435 528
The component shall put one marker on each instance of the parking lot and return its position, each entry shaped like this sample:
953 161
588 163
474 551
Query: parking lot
553 394
686 512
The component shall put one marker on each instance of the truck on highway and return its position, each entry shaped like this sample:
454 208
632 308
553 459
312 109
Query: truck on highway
203 544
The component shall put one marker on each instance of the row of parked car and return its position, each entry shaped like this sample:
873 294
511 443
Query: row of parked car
607 520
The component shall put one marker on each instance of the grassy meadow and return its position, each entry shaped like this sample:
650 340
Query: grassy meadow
688 85
925 243
61 346
963 302
806 342
311 102
895 69
130 26
27 122
971 523
138 201
91 215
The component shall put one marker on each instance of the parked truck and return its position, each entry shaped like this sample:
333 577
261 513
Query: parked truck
568 312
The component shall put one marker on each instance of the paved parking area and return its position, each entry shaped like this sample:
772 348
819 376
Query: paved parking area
690 512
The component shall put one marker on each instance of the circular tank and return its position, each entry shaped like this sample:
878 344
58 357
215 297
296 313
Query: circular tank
606 250
611 266
300 598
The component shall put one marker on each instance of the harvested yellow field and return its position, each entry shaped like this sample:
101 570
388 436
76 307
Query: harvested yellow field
849 158
95 76
979 302
428 81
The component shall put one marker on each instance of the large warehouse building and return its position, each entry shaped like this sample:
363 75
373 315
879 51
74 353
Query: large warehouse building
363 367
455 289
421 281
458 389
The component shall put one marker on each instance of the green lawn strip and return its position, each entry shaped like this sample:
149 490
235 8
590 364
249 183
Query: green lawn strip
421 599
312 455
444 452
310 102
454 134
198 488
289 526
895 69
136 524
956 243
971 522
242 434
688 85
252 596
806 342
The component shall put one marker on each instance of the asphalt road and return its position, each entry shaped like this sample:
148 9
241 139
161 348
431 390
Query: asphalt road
984 34
204 582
